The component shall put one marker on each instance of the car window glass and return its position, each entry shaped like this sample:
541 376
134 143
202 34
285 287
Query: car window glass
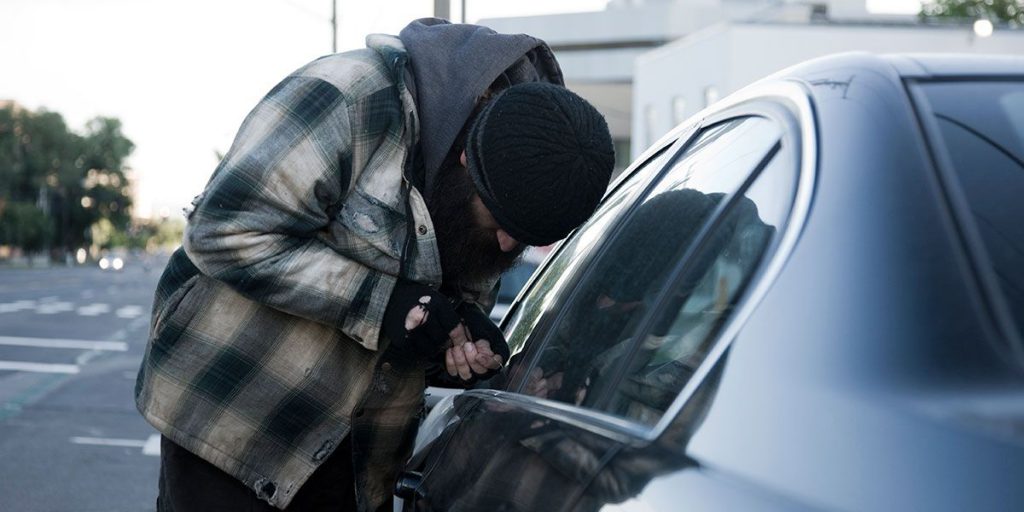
984 138
572 254
702 297
598 320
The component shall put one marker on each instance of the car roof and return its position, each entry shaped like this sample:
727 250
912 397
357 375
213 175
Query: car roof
891 67
911 65
956 65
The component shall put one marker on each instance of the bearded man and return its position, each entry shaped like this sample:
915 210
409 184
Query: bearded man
345 251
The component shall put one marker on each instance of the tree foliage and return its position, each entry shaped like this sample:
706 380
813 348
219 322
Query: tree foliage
24 225
1007 11
71 181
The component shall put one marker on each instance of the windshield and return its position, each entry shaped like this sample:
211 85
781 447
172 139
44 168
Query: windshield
982 129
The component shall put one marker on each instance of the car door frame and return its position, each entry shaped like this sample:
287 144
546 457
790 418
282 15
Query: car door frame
788 102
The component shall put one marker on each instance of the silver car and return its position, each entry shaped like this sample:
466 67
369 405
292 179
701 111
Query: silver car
810 296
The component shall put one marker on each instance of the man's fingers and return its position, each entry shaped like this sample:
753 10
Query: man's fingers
461 365
472 357
496 362
449 361
537 386
417 315
556 380
485 357
459 335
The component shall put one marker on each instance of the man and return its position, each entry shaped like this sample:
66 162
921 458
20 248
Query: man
346 247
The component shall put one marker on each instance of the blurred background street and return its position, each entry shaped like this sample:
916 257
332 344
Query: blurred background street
114 113
70 344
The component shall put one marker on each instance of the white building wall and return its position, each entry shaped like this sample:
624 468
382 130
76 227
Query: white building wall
671 74
729 57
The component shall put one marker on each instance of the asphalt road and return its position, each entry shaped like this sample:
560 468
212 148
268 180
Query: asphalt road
71 340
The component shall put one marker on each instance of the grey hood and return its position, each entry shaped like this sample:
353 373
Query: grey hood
452 65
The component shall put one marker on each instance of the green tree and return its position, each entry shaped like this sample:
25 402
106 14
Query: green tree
103 190
1007 11
73 180
24 225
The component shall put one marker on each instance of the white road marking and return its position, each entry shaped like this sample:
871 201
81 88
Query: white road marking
150 446
21 366
114 346
94 309
52 308
129 312
102 441
12 307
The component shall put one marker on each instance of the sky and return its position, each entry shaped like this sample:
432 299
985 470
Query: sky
181 75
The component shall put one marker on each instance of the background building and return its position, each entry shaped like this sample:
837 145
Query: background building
649 64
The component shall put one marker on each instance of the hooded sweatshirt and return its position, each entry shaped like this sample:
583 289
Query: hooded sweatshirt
452 65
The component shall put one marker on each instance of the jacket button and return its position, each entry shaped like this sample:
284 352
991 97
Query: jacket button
422 229
386 366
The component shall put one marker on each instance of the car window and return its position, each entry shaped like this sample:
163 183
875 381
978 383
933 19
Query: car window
596 324
982 129
571 256
701 296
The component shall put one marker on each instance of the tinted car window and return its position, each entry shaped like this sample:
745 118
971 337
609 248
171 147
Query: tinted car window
597 323
982 129
571 256
702 295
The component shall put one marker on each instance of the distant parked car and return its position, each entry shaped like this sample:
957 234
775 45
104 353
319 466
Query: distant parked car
111 262
513 281
810 296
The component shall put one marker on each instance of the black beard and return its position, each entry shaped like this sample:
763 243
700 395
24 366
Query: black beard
469 253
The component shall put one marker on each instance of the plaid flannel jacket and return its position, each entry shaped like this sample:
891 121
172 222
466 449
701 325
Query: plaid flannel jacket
263 350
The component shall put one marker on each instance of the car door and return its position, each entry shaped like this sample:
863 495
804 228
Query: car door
671 375
543 437
499 450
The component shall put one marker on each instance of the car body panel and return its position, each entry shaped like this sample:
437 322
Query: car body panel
862 371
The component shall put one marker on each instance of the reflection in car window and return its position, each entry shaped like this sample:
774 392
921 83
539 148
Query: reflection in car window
697 304
572 255
985 141
599 320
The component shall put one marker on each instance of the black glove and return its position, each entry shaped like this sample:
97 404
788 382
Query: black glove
427 341
482 328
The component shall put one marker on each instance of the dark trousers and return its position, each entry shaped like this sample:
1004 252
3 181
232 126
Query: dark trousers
190 484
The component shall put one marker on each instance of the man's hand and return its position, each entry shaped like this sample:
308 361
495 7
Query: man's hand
472 359
487 350
539 385
420 322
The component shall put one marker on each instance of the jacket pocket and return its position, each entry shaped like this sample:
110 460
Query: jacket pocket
178 310
366 222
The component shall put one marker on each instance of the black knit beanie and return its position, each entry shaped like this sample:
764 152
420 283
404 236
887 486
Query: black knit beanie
541 158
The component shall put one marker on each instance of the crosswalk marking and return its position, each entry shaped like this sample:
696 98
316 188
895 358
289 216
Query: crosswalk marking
129 312
14 307
115 346
94 309
23 366
102 441
54 306
150 446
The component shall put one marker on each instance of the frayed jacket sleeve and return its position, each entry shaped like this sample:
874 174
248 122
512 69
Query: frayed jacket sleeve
257 225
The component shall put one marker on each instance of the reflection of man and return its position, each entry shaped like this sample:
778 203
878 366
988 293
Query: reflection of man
614 298
600 330
349 241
